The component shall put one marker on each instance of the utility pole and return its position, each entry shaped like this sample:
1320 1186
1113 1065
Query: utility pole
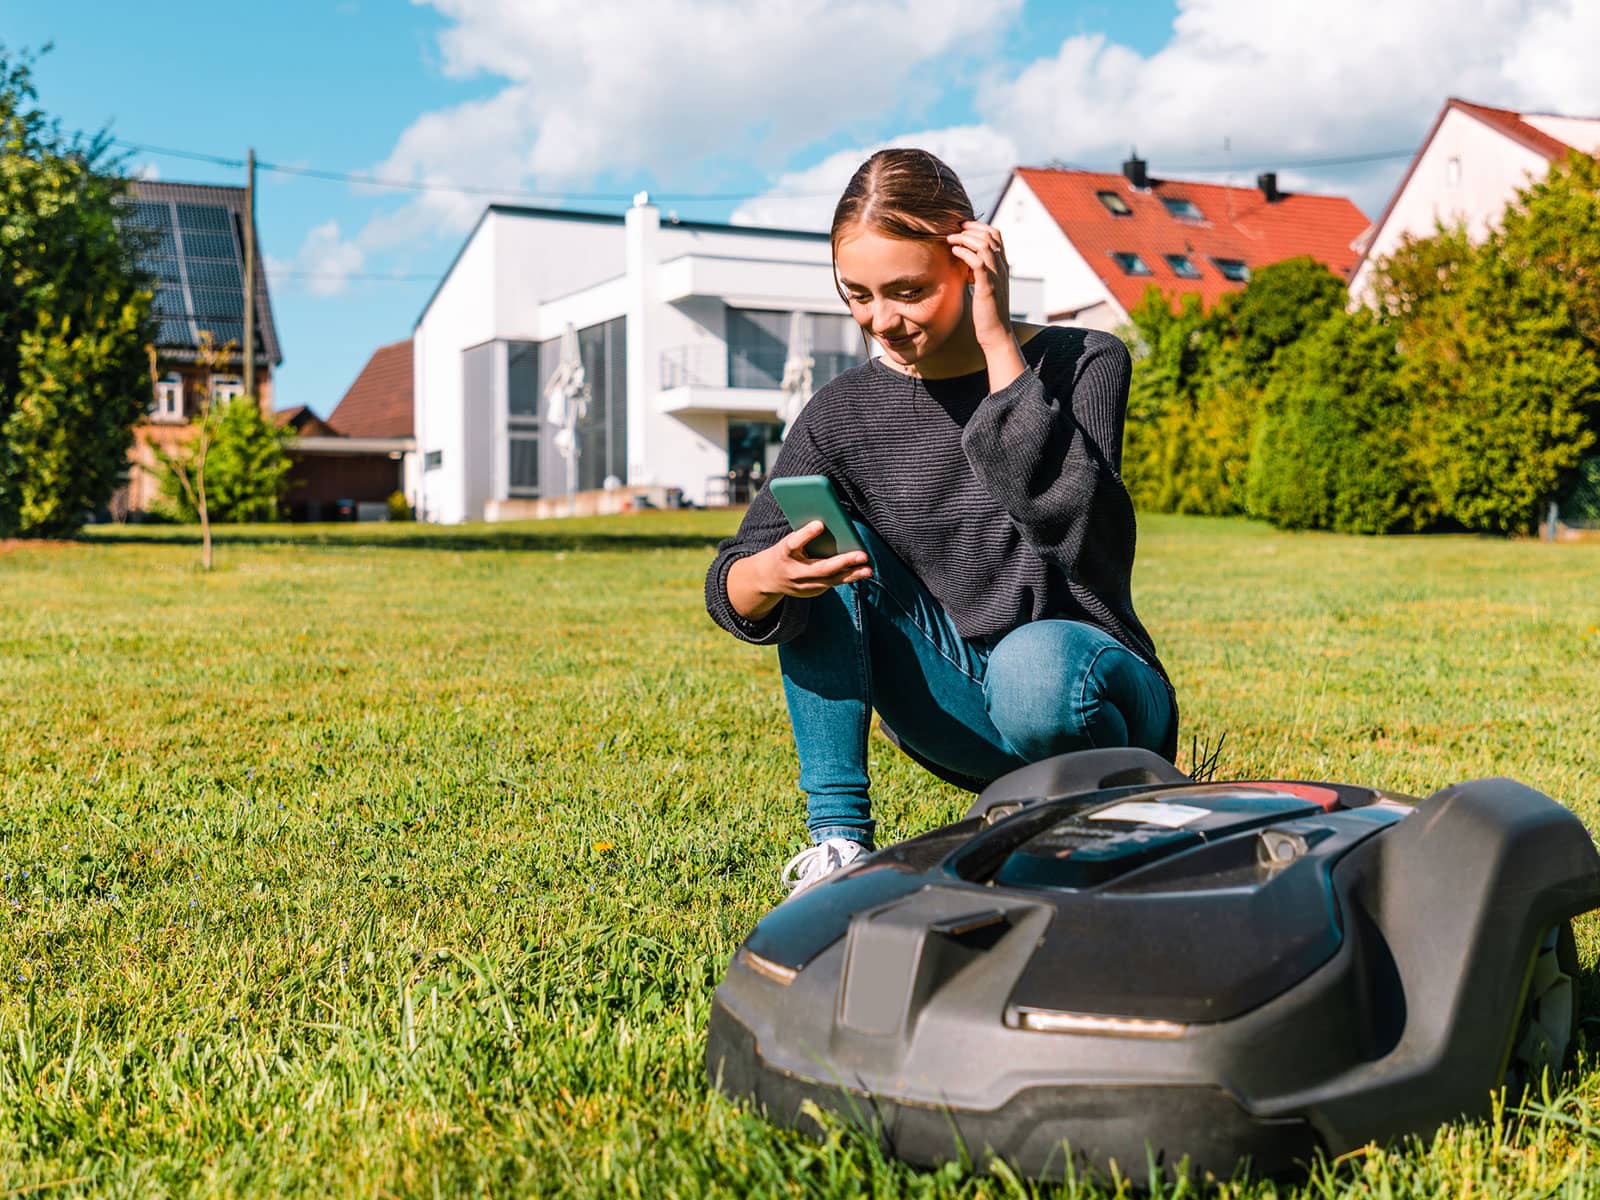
250 279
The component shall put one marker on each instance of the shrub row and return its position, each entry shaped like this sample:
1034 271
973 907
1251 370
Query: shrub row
1466 397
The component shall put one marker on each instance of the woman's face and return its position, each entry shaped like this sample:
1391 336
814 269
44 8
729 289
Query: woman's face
909 295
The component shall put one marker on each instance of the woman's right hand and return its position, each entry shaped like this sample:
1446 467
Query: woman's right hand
758 582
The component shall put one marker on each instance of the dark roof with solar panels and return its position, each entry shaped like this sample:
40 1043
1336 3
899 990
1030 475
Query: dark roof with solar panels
197 258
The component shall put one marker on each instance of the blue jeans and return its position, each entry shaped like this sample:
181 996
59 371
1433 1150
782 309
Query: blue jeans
976 708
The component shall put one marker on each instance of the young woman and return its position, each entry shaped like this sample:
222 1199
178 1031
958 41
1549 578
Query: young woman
990 621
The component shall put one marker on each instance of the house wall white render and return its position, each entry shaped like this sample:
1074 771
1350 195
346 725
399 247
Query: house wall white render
459 316
1036 244
1488 169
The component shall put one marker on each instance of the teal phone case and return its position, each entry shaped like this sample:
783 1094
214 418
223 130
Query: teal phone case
807 498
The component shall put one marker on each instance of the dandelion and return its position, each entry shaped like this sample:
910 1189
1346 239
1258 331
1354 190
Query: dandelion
602 847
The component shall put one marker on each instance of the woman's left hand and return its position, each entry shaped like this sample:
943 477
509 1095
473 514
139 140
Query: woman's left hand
979 246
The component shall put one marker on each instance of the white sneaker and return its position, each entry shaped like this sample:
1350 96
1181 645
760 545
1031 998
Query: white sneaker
815 863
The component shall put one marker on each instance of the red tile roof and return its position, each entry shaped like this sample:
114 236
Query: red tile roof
378 403
303 421
1513 126
1235 223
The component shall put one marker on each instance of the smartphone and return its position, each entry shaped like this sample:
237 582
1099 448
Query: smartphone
807 498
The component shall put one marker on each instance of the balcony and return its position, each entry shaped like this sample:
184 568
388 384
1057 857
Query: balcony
780 283
709 378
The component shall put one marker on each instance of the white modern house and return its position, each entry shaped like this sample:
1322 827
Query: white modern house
683 328
1469 167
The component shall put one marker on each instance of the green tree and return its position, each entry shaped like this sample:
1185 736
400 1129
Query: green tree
74 319
1501 351
1189 412
1330 450
1280 304
246 468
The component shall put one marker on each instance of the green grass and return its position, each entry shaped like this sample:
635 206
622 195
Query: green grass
404 861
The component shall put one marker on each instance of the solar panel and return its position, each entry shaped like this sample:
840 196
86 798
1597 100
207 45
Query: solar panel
217 302
209 245
211 273
152 214
193 253
204 218
175 333
223 331
163 268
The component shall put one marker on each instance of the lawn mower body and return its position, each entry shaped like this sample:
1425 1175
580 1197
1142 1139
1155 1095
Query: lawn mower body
1108 962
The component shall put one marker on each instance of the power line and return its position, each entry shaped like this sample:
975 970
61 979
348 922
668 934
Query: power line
387 278
415 185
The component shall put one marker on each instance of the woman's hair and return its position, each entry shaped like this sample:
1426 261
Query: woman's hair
903 194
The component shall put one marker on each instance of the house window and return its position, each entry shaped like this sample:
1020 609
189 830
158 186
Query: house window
602 435
1452 172
1131 263
225 388
433 460
524 479
758 347
168 405
1182 266
1184 210
1115 204
1233 268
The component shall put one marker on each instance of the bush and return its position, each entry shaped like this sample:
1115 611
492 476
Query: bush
246 466
74 321
1190 412
1502 352
1330 451
399 510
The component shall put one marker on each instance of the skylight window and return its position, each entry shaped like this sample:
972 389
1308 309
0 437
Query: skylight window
1131 263
1184 210
1182 266
1233 268
1115 204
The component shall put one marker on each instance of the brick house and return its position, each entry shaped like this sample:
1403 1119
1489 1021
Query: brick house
197 259
347 466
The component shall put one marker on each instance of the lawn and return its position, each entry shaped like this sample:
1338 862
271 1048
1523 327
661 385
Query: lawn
398 861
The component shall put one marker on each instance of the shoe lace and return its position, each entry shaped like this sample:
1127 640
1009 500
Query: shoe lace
815 862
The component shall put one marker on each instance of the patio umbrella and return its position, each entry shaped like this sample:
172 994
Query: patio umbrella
797 370
566 403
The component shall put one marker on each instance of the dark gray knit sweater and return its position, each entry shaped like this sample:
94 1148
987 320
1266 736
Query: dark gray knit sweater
1008 506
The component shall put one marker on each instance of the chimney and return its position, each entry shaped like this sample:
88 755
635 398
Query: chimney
1134 170
1267 181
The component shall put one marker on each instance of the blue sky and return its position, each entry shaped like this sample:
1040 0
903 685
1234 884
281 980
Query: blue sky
767 111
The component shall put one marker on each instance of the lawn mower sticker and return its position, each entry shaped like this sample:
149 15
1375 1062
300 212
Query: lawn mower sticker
1151 812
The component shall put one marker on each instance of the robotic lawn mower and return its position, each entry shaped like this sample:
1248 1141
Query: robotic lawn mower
1106 961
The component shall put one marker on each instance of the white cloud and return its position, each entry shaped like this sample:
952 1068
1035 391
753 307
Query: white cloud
981 156
326 260
681 91
690 93
1297 80
1278 81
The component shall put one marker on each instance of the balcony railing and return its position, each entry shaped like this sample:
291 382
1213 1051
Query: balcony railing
715 366
694 366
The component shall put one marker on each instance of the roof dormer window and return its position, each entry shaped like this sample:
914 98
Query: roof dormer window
1184 210
1233 269
1115 204
1182 266
1131 263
